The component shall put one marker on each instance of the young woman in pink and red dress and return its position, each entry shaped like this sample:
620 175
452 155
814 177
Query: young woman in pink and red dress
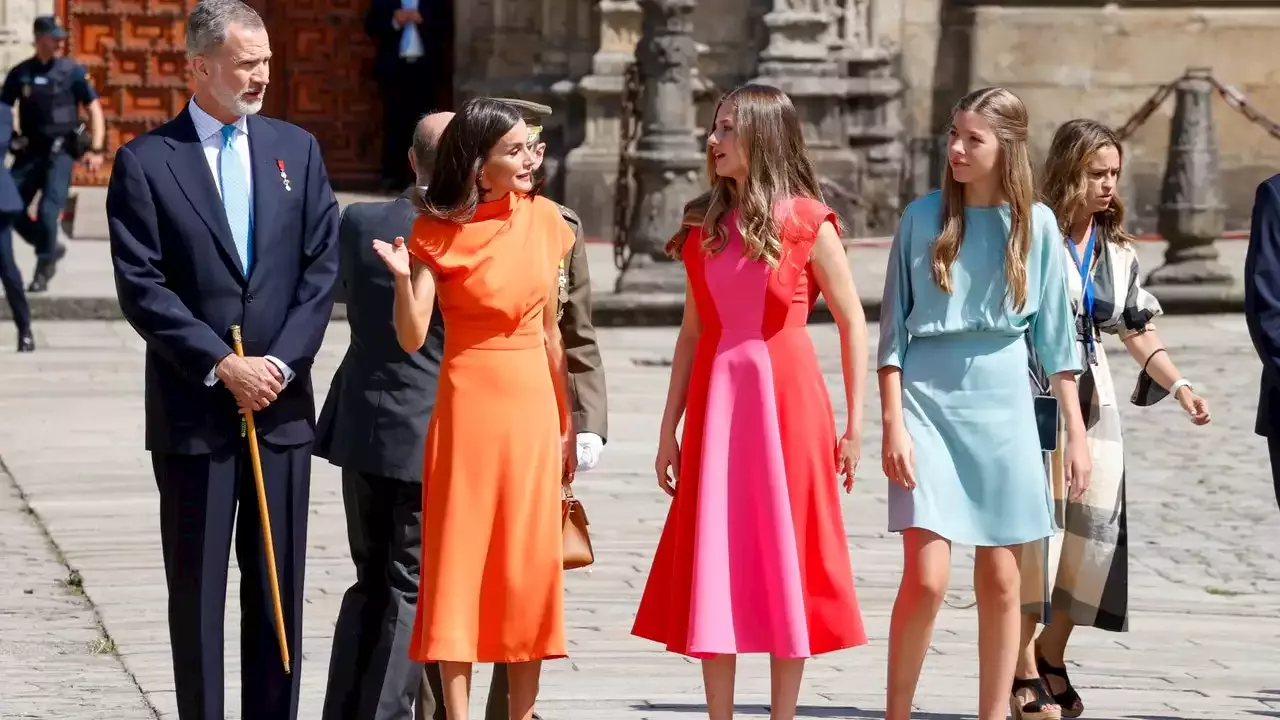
753 558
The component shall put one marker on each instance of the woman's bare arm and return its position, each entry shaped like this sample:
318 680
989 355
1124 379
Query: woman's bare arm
414 300
681 366
831 269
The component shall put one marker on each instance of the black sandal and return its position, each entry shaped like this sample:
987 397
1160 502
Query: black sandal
1042 705
1069 700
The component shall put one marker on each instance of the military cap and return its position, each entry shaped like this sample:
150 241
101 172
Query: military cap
533 112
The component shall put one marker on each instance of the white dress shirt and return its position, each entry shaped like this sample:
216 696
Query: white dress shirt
410 42
209 130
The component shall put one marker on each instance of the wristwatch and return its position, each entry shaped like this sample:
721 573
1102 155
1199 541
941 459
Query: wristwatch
1179 384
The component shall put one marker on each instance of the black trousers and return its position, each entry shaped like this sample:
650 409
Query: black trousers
11 277
201 498
370 674
407 95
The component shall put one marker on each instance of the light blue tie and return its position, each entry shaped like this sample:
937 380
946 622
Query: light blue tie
235 197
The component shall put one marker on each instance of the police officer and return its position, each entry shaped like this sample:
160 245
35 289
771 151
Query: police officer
49 90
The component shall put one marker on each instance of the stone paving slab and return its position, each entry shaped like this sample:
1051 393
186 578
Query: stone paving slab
1205 575
54 660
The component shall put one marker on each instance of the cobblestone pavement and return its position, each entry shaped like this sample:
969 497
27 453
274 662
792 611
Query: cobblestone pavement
54 660
1204 535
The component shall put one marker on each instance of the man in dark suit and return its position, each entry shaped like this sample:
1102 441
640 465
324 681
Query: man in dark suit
217 218
11 206
408 63
373 426
1262 312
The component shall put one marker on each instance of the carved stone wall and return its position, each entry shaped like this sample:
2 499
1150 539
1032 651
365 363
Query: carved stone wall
857 130
1119 55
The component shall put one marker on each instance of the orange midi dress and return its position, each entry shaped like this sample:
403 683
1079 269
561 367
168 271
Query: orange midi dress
492 568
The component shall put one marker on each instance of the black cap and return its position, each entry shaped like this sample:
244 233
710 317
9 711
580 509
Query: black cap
48 25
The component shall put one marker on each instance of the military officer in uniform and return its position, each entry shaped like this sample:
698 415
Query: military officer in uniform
586 372
49 90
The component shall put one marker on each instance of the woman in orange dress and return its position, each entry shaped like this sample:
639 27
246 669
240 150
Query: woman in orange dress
489 249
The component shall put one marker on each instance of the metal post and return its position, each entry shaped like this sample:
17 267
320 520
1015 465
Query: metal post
668 161
1191 214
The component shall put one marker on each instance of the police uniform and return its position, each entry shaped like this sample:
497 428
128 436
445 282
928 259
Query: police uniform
48 96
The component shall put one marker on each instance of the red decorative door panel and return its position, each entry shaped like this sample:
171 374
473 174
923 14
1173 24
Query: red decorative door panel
321 73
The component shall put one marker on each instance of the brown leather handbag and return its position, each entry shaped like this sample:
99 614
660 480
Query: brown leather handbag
577 541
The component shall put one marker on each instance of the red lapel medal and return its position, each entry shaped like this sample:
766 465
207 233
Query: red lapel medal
284 177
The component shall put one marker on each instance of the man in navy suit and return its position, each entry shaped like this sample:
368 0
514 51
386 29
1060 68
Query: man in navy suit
11 206
1262 312
221 217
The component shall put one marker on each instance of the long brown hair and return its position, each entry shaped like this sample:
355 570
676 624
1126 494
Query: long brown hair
1007 116
1066 177
778 166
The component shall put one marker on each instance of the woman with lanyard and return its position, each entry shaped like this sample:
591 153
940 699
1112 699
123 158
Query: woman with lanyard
1085 577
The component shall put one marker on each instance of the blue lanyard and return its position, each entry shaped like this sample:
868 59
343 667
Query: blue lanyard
1086 280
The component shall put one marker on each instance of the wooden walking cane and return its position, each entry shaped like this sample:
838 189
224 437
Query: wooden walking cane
247 429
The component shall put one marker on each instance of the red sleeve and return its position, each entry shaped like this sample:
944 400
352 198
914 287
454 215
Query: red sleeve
811 214
800 230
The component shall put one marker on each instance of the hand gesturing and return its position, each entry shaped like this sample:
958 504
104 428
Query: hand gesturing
395 255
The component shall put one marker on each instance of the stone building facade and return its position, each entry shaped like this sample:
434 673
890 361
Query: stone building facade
874 79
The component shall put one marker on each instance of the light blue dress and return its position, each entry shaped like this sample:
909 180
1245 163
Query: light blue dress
967 403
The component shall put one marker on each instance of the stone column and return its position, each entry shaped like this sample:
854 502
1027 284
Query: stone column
591 167
873 111
668 161
1191 214
798 60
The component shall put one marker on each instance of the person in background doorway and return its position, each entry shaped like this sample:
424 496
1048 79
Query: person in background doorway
409 35
49 90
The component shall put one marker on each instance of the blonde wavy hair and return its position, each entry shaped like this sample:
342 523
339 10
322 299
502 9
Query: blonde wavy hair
778 166
1066 177
1007 116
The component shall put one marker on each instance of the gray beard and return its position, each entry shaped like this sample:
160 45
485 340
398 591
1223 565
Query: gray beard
239 106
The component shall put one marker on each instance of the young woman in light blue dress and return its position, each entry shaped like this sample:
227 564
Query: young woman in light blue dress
976 271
